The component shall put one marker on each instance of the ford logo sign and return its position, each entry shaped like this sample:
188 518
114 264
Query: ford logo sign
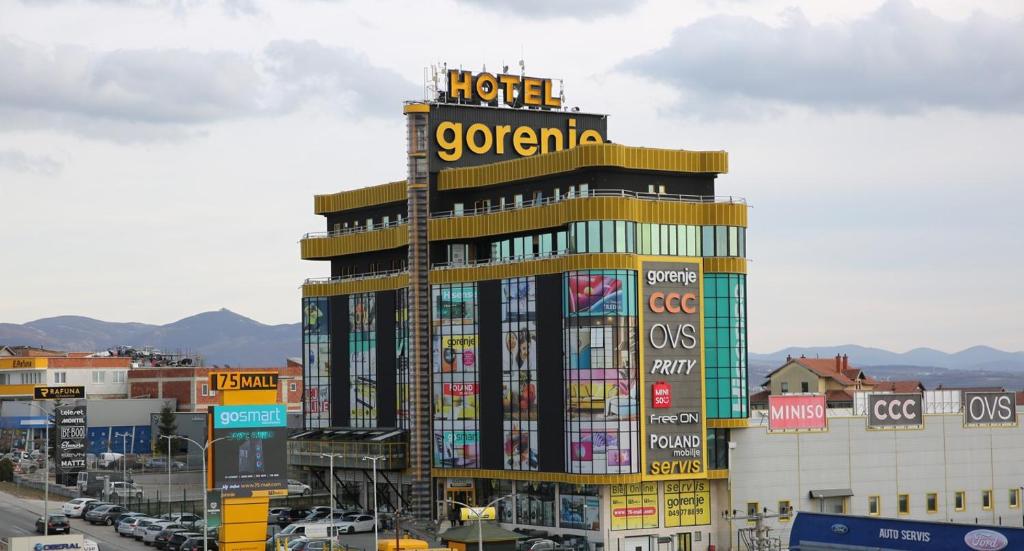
842 529
985 540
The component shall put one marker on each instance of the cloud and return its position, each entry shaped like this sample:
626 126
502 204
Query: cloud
18 161
897 59
153 93
543 9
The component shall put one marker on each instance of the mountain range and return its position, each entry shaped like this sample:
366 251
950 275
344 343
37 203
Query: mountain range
225 337
220 337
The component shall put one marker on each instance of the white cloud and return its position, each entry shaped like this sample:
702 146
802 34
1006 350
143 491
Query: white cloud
896 59
18 161
541 9
147 93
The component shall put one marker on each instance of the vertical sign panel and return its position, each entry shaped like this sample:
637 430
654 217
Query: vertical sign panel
71 440
673 370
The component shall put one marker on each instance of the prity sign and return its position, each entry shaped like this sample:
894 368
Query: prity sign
673 370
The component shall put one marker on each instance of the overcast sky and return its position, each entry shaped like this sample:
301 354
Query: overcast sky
159 158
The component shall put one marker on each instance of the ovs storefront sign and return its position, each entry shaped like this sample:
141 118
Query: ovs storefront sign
673 352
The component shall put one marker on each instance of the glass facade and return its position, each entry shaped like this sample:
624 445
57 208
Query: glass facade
600 362
362 346
725 341
535 503
618 236
579 506
455 375
519 372
316 362
403 414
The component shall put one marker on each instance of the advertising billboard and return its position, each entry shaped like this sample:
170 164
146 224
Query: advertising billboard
68 542
674 369
463 135
71 440
252 457
990 409
895 410
687 503
797 412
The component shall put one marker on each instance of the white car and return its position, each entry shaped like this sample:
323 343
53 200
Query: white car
153 530
355 523
141 525
75 507
126 527
119 490
296 488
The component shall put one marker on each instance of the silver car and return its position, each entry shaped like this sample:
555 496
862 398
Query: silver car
141 525
126 527
153 530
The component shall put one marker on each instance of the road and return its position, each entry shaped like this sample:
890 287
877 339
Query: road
19 519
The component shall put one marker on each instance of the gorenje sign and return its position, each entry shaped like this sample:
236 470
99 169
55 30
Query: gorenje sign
895 410
990 409
673 370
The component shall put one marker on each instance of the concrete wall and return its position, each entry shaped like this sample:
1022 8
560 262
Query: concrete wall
943 457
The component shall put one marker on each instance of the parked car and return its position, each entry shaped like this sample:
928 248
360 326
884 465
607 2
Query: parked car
187 520
308 545
296 488
126 515
93 505
279 515
103 514
126 527
56 523
120 490
295 514
74 508
196 544
178 538
153 530
160 463
141 525
161 539
355 522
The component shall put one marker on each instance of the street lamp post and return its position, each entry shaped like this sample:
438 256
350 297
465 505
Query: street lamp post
375 459
480 518
169 438
330 475
205 499
46 471
124 458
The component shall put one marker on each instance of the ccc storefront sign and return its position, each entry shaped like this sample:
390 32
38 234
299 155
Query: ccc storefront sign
895 410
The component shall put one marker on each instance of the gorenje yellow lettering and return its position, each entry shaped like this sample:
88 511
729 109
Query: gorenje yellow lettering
452 139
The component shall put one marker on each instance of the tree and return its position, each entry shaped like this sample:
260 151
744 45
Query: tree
6 470
168 426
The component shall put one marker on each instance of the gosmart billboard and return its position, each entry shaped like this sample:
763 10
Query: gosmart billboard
252 458
673 370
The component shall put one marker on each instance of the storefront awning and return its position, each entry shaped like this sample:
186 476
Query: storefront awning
832 492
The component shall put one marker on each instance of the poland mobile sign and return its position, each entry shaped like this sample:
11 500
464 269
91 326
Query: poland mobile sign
797 412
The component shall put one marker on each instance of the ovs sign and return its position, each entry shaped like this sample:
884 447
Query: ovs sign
990 409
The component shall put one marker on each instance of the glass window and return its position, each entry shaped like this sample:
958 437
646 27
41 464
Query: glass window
581 236
620 236
455 361
385 220
563 242
960 501
903 504
742 243
362 346
874 505
655 239
630 236
369 223
316 356
593 236
708 247
584 190
607 236
666 243
545 244
725 347
99 376
519 373
558 194
986 499
535 503
205 390
60 377
721 241
572 192
506 249
517 247
460 209
932 502
785 387
518 198
804 387
1014 498
733 242
785 510
120 376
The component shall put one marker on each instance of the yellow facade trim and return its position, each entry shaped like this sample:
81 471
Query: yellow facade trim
323 248
534 476
559 264
391 192
583 156
24 363
728 423
416 108
18 390
718 474
588 208
337 288
725 265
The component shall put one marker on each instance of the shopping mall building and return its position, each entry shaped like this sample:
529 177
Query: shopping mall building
533 312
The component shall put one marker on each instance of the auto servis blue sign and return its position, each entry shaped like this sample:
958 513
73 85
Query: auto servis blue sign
819 530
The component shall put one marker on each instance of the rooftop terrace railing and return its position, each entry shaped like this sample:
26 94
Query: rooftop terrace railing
354 229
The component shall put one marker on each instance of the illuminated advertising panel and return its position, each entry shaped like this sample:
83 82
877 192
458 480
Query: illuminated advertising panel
252 457
673 370
797 413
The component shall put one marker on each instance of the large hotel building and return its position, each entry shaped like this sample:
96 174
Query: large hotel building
532 312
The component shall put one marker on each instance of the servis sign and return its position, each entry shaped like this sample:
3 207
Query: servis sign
673 370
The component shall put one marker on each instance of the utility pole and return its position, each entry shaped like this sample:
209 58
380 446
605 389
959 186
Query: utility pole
761 539
375 459
169 438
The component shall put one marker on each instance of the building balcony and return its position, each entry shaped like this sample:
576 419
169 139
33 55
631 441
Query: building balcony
359 283
598 204
312 448
324 245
